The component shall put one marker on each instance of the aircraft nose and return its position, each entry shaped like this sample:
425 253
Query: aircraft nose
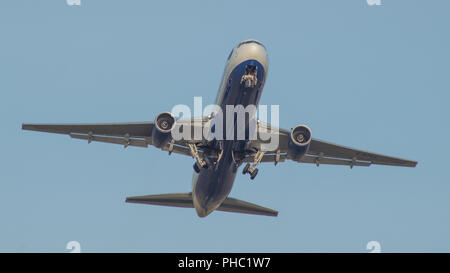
253 50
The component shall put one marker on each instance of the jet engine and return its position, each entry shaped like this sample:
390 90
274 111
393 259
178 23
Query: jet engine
161 133
299 141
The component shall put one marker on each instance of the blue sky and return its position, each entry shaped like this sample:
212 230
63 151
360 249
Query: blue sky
369 77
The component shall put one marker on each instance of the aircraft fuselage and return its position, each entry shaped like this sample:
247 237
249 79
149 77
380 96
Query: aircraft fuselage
212 185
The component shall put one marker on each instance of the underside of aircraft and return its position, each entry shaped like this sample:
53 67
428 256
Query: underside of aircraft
217 160
141 135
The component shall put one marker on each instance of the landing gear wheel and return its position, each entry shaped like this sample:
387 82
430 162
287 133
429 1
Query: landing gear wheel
196 168
253 174
245 170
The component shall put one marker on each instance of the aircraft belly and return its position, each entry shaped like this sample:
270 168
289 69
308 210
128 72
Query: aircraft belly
213 185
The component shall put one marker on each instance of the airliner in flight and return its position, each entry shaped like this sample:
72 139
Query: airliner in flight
217 161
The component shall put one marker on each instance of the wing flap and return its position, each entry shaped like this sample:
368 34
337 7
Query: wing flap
332 161
115 140
269 157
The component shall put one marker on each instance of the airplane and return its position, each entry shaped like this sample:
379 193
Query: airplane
217 161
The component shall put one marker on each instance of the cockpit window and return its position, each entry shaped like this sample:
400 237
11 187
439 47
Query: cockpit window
249 42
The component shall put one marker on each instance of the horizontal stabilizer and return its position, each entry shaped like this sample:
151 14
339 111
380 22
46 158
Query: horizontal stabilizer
236 205
185 200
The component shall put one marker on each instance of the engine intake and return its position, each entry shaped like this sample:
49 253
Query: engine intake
161 133
300 139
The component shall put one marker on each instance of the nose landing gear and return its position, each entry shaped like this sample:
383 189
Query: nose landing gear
249 78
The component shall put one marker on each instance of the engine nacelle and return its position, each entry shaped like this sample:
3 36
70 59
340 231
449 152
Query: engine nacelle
161 133
299 141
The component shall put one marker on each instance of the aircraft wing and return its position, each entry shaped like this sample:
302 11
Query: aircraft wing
320 148
135 129
129 134
322 152
138 134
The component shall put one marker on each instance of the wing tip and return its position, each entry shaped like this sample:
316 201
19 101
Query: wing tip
405 163
409 163
30 127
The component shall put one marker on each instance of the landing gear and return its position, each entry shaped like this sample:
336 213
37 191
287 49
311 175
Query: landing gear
249 79
219 156
253 174
199 161
196 168
245 170
252 170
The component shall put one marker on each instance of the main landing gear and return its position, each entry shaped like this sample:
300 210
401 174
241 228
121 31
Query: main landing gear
252 170
199 162
196 168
